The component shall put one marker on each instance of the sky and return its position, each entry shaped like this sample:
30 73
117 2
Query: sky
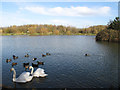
77 14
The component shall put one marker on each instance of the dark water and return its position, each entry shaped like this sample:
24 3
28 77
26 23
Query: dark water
67 67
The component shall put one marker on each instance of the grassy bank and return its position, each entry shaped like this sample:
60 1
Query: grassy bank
42 34
9 34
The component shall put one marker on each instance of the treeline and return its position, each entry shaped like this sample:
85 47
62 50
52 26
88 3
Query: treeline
111 33
35 29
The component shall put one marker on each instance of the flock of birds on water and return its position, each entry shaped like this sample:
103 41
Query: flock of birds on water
28 76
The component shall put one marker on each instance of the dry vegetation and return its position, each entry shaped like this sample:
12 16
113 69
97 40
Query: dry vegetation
50 30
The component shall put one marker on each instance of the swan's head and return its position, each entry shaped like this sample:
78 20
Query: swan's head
30 67
11 69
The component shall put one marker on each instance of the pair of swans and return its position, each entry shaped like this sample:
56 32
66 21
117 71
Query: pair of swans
27 76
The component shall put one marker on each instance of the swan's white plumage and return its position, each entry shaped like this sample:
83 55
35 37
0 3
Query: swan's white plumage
27 76
39 73
23 78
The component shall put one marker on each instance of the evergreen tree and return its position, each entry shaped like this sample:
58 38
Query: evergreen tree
115 25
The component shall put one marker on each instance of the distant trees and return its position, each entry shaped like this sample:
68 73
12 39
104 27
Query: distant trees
31 30
45 29
68 32
93 29
56 32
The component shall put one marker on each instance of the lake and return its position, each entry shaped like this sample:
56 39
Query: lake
67 67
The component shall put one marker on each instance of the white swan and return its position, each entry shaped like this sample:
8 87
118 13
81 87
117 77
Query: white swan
23 78
38 73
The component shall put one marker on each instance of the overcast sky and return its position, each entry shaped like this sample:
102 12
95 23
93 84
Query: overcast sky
78 14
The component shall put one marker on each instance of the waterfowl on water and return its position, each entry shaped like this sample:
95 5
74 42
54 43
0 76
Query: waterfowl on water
26 55
34 65
8 60
34 59
26 67
24 64
40 63
48 54
86 54
23 78
13 64
15 57
38 73
43 55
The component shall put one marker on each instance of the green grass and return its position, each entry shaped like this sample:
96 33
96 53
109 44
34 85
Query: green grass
43 34
8 34
90 34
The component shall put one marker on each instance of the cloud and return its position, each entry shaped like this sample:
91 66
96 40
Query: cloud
69 11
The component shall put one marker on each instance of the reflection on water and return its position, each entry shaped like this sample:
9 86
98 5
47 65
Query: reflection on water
67 67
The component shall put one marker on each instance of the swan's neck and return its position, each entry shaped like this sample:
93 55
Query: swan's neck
14 75
32 70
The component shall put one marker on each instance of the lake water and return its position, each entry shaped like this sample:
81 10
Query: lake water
67 67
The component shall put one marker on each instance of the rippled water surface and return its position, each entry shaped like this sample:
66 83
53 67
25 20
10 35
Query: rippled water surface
67 67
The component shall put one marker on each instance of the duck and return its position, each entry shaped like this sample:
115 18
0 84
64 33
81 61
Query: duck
40 63
48 54
24 64
23 78
34 65
87 54
26 55
26 67
34 59
38 73
13 64
43 55
8 60
15 57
